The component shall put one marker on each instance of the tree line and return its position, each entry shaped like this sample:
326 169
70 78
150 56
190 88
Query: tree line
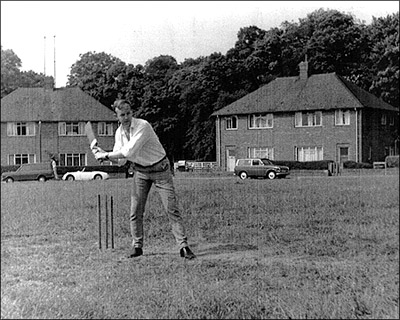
178 98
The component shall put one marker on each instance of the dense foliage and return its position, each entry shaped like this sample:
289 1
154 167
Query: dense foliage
11 76
178 99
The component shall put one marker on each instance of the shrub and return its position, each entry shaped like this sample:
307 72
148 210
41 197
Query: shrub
61 170
357 165
392 161
305 165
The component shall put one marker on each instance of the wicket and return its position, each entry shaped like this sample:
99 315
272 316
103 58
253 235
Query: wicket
109 229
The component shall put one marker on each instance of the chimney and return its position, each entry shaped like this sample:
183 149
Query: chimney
48 83
303 66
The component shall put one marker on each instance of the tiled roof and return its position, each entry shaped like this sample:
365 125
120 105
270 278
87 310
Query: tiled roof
63 104
318 92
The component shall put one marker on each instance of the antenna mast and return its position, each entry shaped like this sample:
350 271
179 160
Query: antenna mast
54 61
44 54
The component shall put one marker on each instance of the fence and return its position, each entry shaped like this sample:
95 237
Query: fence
203 166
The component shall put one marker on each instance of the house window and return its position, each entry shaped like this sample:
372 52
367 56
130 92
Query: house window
308 153
71 128
105 129
17 159
231 123
263 152
383 119
20 128
308 119
342 118
72 159
259 121
391 120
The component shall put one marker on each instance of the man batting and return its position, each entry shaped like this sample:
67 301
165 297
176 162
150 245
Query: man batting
136 141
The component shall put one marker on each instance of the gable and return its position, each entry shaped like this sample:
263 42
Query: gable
64 104
291 94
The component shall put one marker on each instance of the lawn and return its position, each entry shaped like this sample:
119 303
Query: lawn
303 247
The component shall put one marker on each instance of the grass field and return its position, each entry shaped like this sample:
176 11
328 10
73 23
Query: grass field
304 247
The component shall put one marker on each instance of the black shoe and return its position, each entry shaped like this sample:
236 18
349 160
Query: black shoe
187 253
136 253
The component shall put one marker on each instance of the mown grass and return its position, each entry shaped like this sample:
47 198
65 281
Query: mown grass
316 247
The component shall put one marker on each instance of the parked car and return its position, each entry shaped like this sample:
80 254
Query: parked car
85 175
184 165
29 171
259 168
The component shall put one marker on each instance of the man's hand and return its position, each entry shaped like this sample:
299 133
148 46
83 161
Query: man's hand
101 155
96 149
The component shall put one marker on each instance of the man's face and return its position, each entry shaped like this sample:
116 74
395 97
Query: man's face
124 115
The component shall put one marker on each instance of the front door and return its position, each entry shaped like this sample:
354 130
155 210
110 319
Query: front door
230 159
343 154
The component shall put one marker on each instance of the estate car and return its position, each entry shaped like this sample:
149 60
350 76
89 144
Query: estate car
30 171
259 168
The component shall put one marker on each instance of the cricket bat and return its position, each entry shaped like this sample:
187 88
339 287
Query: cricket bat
91 137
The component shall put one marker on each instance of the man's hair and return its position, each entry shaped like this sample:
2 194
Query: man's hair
119 103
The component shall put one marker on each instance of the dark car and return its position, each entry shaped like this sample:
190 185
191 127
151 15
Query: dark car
30 171
259 168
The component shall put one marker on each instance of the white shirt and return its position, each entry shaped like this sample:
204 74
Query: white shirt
143 146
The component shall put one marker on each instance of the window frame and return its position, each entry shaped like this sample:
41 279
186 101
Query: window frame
261 152
231 123
267 118
28 126
105 129
73 157
383 119
343 115
319 152
391 120
312 117
66 128
29 157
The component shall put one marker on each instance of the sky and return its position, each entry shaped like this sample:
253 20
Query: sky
49 36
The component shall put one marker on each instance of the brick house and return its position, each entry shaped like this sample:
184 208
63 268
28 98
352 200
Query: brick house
38 122
307 118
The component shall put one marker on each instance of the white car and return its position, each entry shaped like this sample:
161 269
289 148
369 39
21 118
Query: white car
85 175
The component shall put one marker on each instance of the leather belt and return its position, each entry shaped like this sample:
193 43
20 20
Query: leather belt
146 167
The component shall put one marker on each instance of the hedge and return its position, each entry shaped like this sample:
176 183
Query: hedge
306 165
357 165
61 170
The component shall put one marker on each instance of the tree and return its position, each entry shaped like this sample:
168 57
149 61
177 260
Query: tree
10 65
97 74
336 43
11 76
158 105
384 34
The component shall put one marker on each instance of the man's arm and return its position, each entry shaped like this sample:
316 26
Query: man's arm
112 156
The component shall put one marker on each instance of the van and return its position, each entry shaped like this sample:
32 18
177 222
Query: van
30 171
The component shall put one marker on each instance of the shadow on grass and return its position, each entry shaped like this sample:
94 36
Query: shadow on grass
225 248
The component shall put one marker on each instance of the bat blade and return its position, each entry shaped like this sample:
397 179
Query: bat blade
90 135
92 138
